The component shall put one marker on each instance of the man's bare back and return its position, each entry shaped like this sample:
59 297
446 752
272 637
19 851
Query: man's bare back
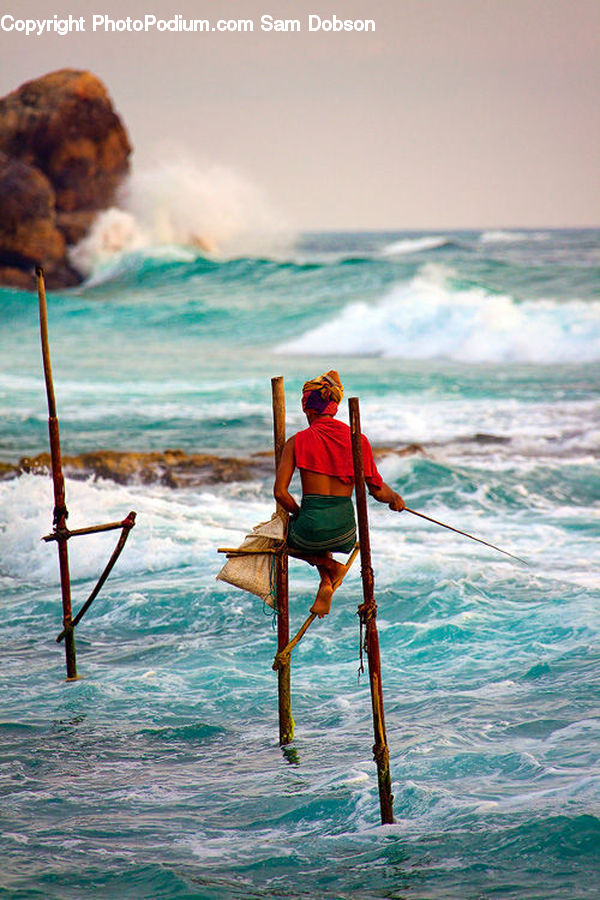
316 483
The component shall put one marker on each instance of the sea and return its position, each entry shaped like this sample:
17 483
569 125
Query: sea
158 774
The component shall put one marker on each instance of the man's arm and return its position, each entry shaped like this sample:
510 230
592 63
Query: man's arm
385 494
283 476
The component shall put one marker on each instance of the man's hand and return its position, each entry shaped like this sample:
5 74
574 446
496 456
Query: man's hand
397 503
385 494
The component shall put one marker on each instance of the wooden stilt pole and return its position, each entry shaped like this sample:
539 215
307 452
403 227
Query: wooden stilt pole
60 509
368 616
286 722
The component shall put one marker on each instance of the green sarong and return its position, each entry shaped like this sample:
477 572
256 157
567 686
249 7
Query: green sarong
323 523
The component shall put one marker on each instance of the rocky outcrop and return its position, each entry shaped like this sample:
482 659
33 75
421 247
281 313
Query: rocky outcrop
173 468
63 154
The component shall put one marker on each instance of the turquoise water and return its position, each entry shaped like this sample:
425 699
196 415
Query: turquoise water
158 774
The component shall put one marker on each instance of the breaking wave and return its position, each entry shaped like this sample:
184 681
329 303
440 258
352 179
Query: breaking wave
432 317
406 246
512 237
177 209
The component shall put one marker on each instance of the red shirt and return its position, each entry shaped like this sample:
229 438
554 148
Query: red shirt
326 447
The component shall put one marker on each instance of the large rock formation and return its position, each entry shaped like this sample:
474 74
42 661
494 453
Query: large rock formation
63 153
28 229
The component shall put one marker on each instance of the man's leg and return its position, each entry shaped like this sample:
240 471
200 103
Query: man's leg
331 573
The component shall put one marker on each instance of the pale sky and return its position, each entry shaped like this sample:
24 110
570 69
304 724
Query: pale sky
452 114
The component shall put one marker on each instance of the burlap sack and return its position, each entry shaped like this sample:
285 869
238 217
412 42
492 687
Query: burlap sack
256 572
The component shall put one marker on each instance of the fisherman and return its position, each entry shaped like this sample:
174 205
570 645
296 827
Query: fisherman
324 522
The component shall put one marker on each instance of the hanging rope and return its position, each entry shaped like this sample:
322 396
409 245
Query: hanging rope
59 511
361 664
271 609
365 612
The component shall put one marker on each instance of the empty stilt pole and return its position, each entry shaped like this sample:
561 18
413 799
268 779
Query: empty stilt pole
60 509
286 722
368 616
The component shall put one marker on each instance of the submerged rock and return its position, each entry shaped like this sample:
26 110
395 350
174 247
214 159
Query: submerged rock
63 154
173 468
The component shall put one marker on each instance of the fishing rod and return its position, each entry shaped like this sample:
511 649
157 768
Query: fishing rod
465 534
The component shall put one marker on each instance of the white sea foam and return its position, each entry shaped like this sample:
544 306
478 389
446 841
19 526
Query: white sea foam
179 203
173 529
414 245
429 318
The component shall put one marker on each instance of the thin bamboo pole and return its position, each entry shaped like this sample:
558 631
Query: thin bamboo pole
368 616
282 657
465 534
286 722
60 509
233 552
92 529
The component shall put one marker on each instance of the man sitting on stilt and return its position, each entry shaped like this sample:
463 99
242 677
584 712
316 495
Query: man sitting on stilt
324 522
